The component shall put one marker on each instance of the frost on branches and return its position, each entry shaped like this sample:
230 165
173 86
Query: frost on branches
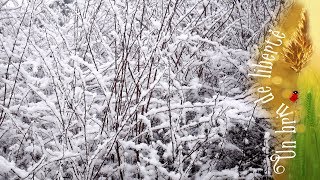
140 89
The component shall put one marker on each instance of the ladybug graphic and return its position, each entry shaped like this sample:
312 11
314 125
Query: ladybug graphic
295 96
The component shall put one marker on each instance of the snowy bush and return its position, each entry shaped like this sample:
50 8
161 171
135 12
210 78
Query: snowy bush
130 89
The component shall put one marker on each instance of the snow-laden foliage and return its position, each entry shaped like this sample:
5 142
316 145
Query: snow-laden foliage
140 89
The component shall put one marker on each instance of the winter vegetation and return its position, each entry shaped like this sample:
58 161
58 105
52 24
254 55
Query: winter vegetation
140 89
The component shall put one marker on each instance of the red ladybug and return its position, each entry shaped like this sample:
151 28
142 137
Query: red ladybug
295 96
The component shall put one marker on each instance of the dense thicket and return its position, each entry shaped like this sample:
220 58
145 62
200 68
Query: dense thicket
140 89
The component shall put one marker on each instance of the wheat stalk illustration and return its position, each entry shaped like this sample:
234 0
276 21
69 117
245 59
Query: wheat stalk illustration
297 53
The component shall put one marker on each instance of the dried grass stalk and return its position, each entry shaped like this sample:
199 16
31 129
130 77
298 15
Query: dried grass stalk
297 53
